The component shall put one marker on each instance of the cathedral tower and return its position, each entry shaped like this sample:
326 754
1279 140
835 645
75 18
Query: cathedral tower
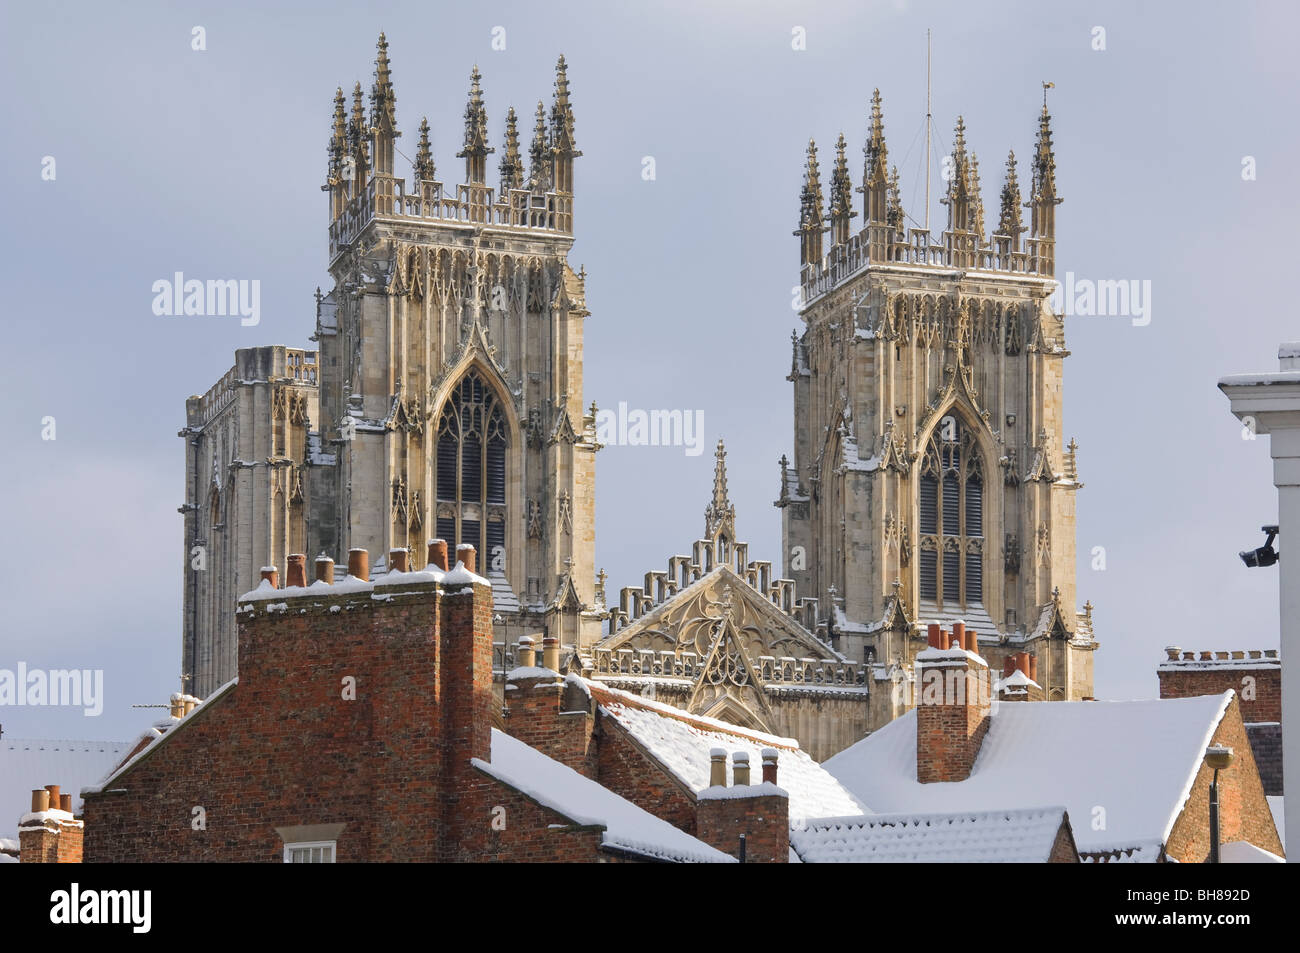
448 380
930 481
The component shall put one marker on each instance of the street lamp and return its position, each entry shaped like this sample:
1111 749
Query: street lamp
1217 757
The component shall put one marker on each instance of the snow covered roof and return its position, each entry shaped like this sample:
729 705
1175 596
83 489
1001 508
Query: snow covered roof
583 801
1279 818
151 739
28 764
1244 852
681 743
1018 835
1133 760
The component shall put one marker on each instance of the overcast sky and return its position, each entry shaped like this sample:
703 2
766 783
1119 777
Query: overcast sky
209 162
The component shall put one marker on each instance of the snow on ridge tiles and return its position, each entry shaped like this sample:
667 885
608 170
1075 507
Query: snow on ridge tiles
1023 835
681 742
584 801
1052 752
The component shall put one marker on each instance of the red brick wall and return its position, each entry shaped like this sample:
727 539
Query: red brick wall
284 748
949 734
1267 687
623 767
1064 850
528 835
46 846
763 819
1243 811
539 717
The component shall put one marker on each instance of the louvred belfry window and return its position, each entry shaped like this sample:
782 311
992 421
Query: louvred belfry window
951 518
471 469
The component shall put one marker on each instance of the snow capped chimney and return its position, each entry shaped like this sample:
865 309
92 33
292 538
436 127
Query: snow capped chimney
359 564
937 638
297 572
952 712
526 654
465 554
438 554
399 560
550 651
271 575
748 821
717 767
48 838
325 569
740 769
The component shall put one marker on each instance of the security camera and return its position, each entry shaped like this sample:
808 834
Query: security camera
1266 555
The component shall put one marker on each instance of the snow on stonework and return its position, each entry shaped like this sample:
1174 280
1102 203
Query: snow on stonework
681 742
1021 836
583 801
1134 760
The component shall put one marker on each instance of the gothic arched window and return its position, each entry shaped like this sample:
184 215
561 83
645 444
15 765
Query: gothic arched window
951 518
471 470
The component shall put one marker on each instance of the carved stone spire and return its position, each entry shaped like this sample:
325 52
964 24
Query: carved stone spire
1043 199
539 154
564 149
720 515
359 138
512 164
476 148
875 182
810 211
338 146
841 210
1009 223
977 199
958 198
562 139
894 206
424 167
383 100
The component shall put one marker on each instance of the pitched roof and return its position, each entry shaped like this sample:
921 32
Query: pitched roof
583 801
1123 770
1020 835
1244 852
27 764
681 743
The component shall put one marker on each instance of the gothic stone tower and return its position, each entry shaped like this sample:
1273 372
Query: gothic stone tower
449 375
929 480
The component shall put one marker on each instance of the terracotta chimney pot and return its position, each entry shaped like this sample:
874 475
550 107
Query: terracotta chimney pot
359 564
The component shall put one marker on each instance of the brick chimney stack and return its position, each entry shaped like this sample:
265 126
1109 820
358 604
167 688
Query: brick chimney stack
1017 683
756 816
952 713
547 711
49 834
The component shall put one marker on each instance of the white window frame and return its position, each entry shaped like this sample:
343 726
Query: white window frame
332 846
